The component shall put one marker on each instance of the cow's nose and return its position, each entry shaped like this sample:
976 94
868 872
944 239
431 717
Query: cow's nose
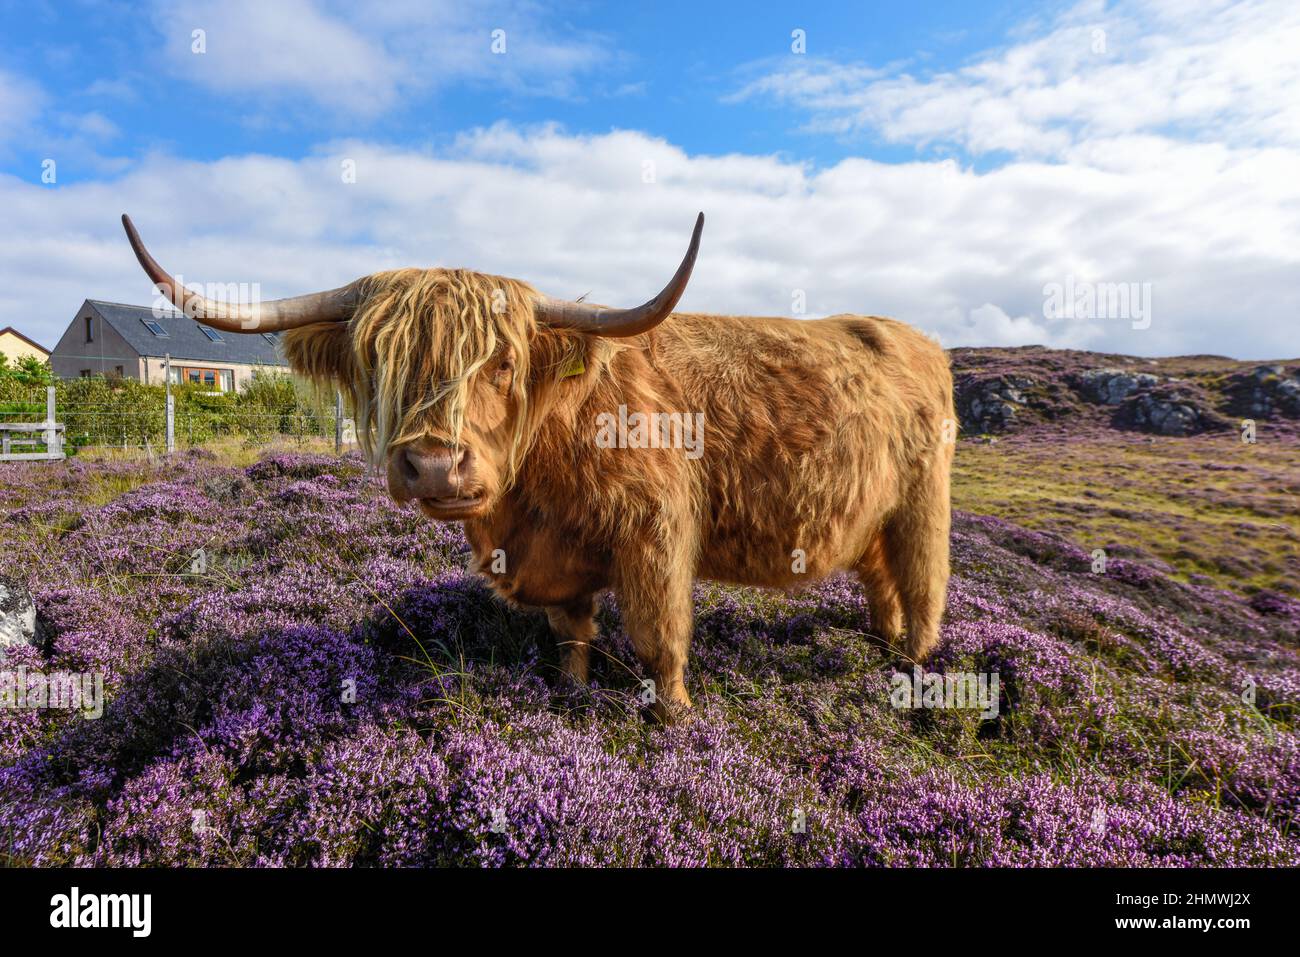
439 473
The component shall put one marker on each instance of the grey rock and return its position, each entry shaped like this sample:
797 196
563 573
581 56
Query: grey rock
1288 396
1265 392
1167 415
17 615
1113 386
991 405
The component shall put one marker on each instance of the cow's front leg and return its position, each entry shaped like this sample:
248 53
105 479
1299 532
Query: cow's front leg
574 625
657 615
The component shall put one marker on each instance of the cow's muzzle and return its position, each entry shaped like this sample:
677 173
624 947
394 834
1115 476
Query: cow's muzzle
441 478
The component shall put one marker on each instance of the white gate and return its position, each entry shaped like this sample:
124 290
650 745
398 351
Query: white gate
15 436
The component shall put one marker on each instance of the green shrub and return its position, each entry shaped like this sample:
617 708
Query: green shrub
28 371
116 411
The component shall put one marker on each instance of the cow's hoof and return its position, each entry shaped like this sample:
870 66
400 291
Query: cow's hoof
670 712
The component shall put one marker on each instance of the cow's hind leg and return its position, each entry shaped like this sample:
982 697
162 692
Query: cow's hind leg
916 550
574 625
882 592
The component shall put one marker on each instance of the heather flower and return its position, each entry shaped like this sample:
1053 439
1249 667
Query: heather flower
331 687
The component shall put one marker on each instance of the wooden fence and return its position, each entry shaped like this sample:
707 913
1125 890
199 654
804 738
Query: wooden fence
41 440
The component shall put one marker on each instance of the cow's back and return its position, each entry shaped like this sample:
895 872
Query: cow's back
812 431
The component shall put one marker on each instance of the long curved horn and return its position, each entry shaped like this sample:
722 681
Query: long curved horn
336 305
620 323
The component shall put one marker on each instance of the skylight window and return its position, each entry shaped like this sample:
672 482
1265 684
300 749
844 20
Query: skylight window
156 329
269 337
212 333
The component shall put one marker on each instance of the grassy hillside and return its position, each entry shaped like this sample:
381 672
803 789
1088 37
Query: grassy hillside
1207 509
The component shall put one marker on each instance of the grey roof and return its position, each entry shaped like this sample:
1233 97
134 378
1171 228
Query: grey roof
185 338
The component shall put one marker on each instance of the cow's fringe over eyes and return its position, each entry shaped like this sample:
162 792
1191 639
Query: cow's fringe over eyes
408 356
417 341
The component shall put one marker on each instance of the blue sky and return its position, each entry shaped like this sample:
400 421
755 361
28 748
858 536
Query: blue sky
663 68
942 162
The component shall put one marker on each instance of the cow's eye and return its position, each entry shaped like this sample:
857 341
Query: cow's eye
503 372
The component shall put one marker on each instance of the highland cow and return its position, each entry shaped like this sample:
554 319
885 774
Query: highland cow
823 445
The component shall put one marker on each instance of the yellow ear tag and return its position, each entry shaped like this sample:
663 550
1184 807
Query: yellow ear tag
576 367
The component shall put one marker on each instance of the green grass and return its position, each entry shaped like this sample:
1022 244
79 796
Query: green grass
1209 506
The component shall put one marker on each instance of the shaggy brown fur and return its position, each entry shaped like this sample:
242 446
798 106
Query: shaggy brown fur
829 439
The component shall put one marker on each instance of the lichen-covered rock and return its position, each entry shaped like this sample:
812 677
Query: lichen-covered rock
990 404
1113 386
1265 392
17 614
1173 409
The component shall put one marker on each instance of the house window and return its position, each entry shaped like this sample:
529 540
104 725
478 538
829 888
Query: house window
85 373
211 333
269 337
90 328
216 380
155 328
121 371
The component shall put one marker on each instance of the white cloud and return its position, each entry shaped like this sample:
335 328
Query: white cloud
30 120
285 47
1209 70
92 126
990 326
962 254
21 102
362 59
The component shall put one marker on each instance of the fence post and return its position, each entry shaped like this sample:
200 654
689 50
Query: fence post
51 435
338 422
171 403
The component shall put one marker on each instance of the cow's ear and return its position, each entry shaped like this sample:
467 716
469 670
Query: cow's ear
321 352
